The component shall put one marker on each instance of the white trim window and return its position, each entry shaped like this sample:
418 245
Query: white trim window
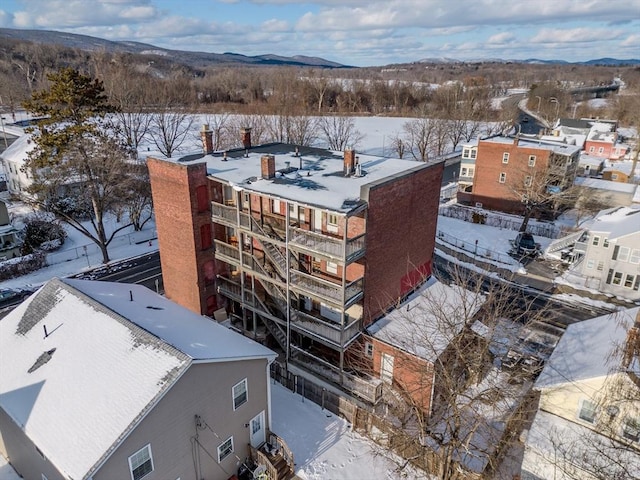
332 223
141 463
332 268
631 429
587 411
532 161
528 181
505 157
225 449
503 177
635 256
240 394
595 241
368 349
623 254
591 263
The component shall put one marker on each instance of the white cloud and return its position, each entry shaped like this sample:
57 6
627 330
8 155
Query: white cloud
501 38
275 25
575 35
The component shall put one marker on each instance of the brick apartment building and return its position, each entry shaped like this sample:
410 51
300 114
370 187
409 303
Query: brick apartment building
499 172
302 246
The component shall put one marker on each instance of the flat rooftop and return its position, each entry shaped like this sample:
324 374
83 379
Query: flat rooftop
556 147
315 177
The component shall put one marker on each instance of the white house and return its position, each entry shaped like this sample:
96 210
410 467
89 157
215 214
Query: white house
587 425
13 159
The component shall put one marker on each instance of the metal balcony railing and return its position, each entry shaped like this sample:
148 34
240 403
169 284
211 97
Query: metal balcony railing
332 332
328 290
224 213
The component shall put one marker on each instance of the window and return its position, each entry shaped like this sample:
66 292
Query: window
463 172
528 180
614 176
474 152
600 266
332 268
592 149
368 349
141 463
332 219
587 411
605 243
275 206
245 200
631 429
623 254
505 157
225 449
628 281
596 241
617 278
239 394
503 177
601 150
205 236
532 160
635 256
465 153
590 264
471 172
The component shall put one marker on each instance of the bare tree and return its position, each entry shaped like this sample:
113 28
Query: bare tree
219 125
398 144
420 136
169 129
340 132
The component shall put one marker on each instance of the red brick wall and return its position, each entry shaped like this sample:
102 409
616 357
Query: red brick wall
411 374
178 222
486 185
401 228
606 146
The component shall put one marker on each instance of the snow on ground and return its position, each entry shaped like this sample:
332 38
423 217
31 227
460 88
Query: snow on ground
324 446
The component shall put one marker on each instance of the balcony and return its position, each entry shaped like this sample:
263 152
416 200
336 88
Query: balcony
325 330
327 245
333 292
224 214
274 459
580 247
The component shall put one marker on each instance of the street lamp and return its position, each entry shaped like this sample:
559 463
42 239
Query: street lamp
539 100
555 100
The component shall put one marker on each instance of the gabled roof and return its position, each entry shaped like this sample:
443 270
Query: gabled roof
426 323
103 364
586 349
608 185
616 222
19 149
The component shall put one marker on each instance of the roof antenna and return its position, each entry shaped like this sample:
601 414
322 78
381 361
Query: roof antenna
46 334
130 295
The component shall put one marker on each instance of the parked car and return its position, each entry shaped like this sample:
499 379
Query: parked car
524 244
9 297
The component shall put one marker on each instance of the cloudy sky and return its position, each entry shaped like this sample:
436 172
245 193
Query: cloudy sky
353 32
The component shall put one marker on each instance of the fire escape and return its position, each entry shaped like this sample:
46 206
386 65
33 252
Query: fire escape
274 276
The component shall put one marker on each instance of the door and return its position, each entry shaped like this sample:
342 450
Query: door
317 220
386 368
257 432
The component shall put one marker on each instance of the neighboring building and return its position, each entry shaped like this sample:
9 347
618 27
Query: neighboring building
507 168
10 240
311 244
621 172
588 421
601 140
108 380
610 192
467 166
607 253
406 347
589 165
13 159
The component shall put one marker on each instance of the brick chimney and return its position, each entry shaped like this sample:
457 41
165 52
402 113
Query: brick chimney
268 166
206 135
349 161
245 134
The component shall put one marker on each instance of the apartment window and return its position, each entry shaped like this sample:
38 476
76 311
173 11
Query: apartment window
614 176
368 349
623 254
463 172
605 243
631 429
617 278
601 150
590 264
240 394
587 411
505 157
474 152
628 281
600 266
202 198
503 177
465 153
471 172
245 200
532 160
275 206
332 268
528 180
225 449
596 241
635 256
205 236
332 219
592 149
141 463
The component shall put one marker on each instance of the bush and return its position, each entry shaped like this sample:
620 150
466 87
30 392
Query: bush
42 234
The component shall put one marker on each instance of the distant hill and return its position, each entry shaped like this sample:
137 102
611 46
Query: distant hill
191 59
535 61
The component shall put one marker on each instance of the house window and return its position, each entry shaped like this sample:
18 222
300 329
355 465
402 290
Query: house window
465 153
587 411
332 219
635 256
605 243
245 200
590 264
596 241
240 394
474 152
614 176
528 180
368 349
617 278
225 449
141 463
600 266
628 281
463 172
332 268
592 149
532 160
601 150
275 206
623 254
505 157
471 172
631 429
205 236
503 177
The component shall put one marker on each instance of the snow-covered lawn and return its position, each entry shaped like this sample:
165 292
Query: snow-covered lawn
324 446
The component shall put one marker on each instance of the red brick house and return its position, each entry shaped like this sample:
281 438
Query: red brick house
506 167
303 246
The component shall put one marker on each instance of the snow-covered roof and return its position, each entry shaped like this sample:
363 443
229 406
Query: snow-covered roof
600 184
103 363
524 142
616 222
428 320
585 349
18 150
586 159
602 132
320 181
623 166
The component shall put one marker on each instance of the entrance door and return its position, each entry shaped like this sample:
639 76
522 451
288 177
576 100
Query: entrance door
257 433
386 368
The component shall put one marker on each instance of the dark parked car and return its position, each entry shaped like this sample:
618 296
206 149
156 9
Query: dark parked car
524 244
10 297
